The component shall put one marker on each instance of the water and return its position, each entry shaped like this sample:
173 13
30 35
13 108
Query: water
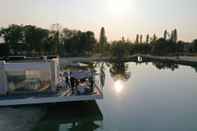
137 97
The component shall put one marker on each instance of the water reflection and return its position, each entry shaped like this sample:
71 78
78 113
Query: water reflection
172 66
75 116
102 75
119 71
21 118
193 66
161 99
118 86
165 65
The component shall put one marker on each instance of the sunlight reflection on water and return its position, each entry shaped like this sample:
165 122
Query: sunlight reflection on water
118 86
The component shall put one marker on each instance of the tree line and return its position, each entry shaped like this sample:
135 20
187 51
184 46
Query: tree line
168 44
31 40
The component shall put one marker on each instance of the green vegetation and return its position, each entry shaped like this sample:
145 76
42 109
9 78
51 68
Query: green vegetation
31 40
35 41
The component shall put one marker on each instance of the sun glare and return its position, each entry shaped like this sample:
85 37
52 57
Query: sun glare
121 7
118 86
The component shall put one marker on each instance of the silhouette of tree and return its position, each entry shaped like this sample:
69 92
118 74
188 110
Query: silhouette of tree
36 38
174 36
141 37
119 49
194 45
147 39
56 36
137 39
102 39
154 38
163 47
78 43
13 36
165 35
31 40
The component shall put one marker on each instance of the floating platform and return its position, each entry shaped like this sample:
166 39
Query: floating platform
44 99
26 83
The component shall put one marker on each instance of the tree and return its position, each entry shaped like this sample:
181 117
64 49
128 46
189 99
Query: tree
77 42
13 36
154 38
119 49
56 37
102 39
147 38
91 41
141 37
137 39
165 35
36 39
163 47
194 45
174 36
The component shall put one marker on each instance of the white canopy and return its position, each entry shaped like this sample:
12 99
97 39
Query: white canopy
80 74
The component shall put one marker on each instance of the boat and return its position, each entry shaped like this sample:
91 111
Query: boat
42 82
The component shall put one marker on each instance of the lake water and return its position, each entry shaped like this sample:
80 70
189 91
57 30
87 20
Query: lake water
137 97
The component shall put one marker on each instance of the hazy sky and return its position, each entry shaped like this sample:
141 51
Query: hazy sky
119 17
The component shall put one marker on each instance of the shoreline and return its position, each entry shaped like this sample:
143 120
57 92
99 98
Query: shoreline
186 60
145 58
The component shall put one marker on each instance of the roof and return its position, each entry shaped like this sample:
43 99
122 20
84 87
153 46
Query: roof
79 74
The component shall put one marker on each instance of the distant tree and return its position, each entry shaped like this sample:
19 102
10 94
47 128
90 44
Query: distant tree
141 38
13 36
174 36
78 43
147 38
87 42
165 35
163 47
123 39
68 40
154 38
137 39
119 49
102 39
194 45
36 39
56 36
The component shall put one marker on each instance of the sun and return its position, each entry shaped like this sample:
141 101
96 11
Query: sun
121 7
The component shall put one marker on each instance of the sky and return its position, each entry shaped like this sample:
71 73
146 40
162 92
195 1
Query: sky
121 18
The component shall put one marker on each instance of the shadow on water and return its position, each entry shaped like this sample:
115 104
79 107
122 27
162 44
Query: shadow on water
74 116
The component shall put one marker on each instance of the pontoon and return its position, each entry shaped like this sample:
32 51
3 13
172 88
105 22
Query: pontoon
44 82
